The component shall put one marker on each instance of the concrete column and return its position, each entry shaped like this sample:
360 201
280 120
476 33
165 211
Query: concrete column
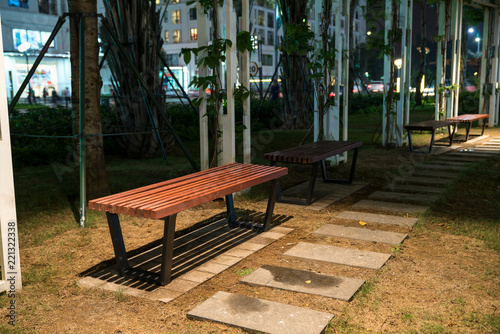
10 261
441 58
495 102
203 39
388 64
484 100
228 126
245 81
456 39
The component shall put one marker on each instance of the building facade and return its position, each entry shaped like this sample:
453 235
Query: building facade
29 21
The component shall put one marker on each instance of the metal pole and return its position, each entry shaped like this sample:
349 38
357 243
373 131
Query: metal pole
83 139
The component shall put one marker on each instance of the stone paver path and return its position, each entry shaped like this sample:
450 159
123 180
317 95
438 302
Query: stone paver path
358 233
400 208
337 287
338 255
377 218
261 315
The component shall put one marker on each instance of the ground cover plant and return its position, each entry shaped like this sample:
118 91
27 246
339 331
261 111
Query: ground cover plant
445 278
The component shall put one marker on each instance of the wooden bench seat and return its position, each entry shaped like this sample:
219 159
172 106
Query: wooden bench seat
432 126
165 199
467 119
315 153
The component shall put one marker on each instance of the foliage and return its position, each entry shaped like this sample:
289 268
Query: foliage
210 58
468 102
34 151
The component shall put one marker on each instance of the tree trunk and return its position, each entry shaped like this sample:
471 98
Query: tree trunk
97 183
421 72
350 84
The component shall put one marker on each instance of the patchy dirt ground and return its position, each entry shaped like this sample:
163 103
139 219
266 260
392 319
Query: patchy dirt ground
436 282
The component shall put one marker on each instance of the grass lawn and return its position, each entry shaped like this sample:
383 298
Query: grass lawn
444 279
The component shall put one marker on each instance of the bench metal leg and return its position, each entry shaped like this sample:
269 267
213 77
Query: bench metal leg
467 130
409 140
231 216
432 140
167 250
270 204
118 244
351 174
312 182
278 196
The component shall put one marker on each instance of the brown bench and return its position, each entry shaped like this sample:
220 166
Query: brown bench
315 153
467 119
431 126
165 199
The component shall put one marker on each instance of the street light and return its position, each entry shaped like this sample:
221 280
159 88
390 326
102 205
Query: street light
398 63
23 48
478 40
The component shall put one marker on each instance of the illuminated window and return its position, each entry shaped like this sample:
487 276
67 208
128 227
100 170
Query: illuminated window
193 33
175 1
166 36
261 18
157 2
37 39
18 3
176 16
176 36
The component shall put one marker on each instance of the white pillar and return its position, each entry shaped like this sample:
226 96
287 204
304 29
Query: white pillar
346 64
203 39
441 55
495 102
228 127
10 262
333 114
245 81
388 64
456 42
317 11
409 46
483 100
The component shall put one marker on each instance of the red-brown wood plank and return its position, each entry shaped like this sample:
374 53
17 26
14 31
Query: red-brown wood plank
313 152
468 118
165 198
430 125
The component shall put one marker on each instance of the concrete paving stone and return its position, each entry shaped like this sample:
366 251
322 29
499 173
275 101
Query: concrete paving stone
271 235
397 196
238 252
432 173
487 149
261 315
377 218
462 158
366 234
337 287
450 163
476 154
227 260
421 180
182 285
281 229
442 167
198 276
388 206
213 267
250 246
414 188
90 282
338 255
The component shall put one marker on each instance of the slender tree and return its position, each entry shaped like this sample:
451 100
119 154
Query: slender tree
84 11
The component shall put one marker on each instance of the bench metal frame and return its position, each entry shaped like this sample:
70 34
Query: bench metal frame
286 157
467 119
165 275
431 126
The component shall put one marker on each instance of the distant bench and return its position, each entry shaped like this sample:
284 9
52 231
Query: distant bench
315 153
432 126
165 199
467 119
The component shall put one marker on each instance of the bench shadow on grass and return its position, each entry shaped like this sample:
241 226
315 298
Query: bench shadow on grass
193 247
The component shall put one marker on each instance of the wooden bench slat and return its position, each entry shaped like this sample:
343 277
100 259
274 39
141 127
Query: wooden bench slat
468 118
187 192
194 183
165 198
313 152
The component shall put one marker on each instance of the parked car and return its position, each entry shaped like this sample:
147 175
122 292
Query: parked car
375 87
469 86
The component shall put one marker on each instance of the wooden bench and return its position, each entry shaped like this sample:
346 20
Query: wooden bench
467 119
431 126
165 199
315 153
